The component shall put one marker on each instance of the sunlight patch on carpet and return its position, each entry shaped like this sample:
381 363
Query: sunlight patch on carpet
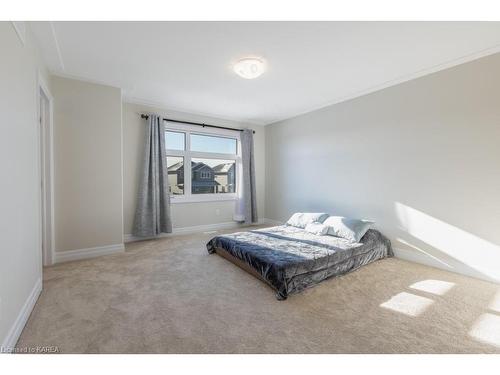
408 304
487 329
495 303
438 287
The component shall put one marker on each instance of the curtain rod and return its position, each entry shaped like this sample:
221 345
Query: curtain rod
196 123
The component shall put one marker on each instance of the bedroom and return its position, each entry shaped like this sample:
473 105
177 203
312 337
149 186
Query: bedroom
201 187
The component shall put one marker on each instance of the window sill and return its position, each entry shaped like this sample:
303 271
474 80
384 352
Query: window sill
201 199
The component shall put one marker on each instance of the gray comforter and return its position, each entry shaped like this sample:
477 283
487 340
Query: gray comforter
291 259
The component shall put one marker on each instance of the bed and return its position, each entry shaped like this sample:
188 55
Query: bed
290 259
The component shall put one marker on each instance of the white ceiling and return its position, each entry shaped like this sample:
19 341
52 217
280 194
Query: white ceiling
186 66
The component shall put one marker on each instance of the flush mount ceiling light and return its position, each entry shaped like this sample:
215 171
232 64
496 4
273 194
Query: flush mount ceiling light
249 67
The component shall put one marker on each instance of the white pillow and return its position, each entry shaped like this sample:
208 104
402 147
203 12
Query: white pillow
301 219
350 229
317 228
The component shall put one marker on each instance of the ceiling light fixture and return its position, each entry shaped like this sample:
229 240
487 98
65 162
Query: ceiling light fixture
249 67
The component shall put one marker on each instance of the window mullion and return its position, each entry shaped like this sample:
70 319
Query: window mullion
177 153
187 167
213 155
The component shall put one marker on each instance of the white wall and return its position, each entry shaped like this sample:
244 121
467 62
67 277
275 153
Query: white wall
421 159
88 165
20 252
183 214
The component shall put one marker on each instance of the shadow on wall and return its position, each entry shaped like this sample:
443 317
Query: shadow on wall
445 245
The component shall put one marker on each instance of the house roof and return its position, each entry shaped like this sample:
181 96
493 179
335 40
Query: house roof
223 168
198 166
175 166
194 166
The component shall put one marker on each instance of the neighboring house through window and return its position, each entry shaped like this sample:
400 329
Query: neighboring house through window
201 164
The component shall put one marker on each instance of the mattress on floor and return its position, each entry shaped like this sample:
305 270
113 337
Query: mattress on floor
291 259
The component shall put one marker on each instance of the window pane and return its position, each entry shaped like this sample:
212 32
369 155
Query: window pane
208 143
213 176
175 166
175 140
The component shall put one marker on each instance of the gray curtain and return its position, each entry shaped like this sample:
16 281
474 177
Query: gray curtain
152 215
246 206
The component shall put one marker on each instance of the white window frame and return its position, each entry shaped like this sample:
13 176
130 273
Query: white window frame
188 155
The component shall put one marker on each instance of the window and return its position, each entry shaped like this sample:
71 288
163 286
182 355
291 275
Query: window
201 164
203 174
209 143
213 176
175 140
175 167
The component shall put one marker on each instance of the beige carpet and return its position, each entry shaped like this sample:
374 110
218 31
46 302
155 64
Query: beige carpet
170 296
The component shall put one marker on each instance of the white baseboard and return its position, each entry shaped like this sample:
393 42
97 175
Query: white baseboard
92 252
428 260
273 222
200 228
416 257
10 340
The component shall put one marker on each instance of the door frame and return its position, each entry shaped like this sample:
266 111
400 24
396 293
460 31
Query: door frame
45 131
